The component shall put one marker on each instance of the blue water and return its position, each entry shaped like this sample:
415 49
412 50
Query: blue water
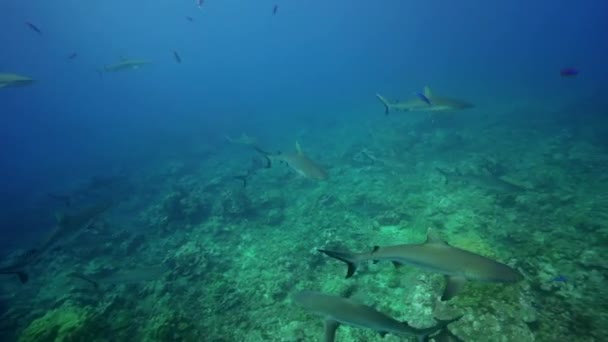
312 67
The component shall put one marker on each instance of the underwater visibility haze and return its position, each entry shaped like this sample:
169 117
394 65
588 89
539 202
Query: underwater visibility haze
206 170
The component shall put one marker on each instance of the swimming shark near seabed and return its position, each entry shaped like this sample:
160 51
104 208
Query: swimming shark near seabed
424 102
339 310
68 226
125 64
435 255
14 80
482 181
298 161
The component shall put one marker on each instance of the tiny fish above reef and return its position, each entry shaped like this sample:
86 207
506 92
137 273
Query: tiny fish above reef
33 28
14 80
298 161
178 59
424 102
569 72
339 310
125 64
275 9
560 279
435 255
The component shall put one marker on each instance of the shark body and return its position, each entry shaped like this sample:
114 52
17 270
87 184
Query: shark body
67 227
339 310
14 80
487 182
435 255
299 162
125 64
426 102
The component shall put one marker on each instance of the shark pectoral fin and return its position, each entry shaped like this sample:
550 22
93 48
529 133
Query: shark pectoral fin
330 329
298 148
453 286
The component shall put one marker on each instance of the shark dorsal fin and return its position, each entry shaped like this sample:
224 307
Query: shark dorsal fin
433 238
427 92
298 148
59 217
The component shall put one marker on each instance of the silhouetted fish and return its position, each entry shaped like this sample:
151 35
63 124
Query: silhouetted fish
73 55
33 27
190 19
199 3
178 59
275 9
569 72
560 279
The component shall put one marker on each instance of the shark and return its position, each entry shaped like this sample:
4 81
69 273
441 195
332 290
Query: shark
298 161
339 310
127 276
125 64
14 80
435 255
67 227
488 182
424 102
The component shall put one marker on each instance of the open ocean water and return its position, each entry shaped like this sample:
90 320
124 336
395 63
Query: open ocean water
293 171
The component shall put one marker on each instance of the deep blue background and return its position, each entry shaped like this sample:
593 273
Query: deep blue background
242 67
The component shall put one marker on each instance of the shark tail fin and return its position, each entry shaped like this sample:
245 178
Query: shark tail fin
349 258
23 277
265 154
384 101
242 178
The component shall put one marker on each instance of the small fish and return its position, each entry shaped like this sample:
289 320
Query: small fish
275 9
560 279
33 27
199 3
569 72
73 55
190 19
423 98
178 59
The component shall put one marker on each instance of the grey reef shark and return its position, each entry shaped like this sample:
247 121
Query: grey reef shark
298 161
14 80
424 102
125 64
435 255
68 226
339 310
